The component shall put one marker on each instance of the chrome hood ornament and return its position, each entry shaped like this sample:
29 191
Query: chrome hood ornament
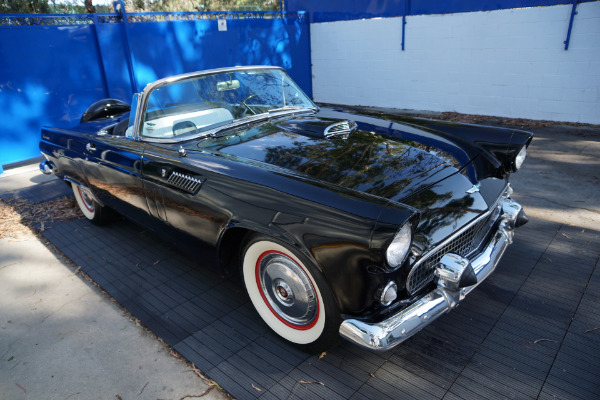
474 189
340 130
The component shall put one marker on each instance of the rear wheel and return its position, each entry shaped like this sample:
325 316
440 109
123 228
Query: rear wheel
290 294
93 211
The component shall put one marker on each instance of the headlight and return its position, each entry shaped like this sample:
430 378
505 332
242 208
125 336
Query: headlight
520 158
398 249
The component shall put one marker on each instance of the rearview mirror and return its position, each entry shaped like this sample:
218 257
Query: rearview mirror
228 85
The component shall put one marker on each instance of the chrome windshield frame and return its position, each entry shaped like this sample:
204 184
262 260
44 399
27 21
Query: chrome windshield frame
143 103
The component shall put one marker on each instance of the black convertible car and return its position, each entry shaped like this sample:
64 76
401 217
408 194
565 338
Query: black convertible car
339 223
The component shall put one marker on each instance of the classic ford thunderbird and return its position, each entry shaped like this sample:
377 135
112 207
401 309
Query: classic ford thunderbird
340 224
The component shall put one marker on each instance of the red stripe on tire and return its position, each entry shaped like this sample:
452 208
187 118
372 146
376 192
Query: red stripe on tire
287 323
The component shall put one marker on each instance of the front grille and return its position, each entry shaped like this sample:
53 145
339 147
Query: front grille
464 245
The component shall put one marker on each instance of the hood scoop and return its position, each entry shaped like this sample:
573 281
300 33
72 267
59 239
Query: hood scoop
340 130
320 128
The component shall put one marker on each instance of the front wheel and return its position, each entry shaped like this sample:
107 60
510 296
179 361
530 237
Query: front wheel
290 294
93 211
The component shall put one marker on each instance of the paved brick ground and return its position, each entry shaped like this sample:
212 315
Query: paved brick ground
527 332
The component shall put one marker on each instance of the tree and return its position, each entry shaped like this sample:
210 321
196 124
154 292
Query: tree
201 5
88 6
25 6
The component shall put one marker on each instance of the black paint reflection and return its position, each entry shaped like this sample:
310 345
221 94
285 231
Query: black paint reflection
366 162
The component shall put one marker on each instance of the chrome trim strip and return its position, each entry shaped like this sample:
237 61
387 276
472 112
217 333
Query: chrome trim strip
185 182
426 309
176 78
136 122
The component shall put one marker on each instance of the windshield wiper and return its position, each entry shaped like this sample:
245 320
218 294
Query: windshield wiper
253 118
236 123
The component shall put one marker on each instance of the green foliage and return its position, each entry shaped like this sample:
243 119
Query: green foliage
25 6
53 6
79 6
201 5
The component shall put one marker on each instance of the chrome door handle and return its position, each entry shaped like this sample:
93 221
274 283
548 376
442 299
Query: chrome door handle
90 147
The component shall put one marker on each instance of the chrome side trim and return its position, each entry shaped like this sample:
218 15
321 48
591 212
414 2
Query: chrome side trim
185 182
401 326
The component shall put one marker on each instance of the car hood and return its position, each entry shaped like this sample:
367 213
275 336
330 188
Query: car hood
446 171
392 165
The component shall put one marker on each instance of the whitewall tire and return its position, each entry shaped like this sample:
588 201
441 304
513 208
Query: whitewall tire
93 211
290 294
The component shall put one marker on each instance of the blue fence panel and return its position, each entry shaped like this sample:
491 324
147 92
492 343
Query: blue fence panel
339 10
47 76
53 67
113 58
173 47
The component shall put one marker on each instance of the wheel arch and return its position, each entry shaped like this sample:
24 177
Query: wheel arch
233 236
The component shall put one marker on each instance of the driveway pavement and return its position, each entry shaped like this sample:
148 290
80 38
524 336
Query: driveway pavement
560 180
63 338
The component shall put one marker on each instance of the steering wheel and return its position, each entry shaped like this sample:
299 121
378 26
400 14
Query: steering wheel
246 106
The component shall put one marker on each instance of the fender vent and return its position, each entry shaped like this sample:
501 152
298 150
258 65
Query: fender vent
185 182
340 130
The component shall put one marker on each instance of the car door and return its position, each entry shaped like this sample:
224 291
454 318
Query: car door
177 195
113 168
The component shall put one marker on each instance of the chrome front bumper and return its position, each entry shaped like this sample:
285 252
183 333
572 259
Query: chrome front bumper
398 328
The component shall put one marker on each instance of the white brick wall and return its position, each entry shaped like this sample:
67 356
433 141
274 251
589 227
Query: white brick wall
509 63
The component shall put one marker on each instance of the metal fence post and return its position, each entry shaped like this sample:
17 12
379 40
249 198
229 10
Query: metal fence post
99 55
573 13
119 7
404 11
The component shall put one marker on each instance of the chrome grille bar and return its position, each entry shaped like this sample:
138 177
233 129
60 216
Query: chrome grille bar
464 243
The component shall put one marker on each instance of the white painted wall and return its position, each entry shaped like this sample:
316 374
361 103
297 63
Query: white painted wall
509 63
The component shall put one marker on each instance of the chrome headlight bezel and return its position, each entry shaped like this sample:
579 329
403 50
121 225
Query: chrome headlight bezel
388 294
520 158
399 248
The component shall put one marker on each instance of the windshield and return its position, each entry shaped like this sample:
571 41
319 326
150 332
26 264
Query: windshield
203 103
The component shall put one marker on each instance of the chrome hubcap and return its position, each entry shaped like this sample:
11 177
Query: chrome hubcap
87 198
287 289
